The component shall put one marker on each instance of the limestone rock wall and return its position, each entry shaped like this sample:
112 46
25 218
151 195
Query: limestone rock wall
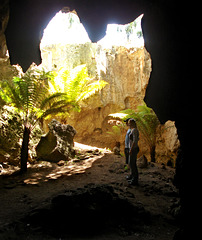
55 56
167 143
127 71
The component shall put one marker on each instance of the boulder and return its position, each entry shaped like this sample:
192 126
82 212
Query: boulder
57 144
142 162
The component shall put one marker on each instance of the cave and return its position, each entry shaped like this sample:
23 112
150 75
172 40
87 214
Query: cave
164 36
119 58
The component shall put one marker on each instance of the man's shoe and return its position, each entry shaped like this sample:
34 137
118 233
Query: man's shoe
133 182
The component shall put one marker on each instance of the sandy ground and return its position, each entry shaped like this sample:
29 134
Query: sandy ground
21 194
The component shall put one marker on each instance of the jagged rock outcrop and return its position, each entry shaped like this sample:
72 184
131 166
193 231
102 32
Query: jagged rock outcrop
57 144
127 71
167 143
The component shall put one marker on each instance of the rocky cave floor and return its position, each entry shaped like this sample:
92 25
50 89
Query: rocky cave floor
88 198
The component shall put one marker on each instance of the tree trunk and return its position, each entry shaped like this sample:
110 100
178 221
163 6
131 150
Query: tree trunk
152 153
24 150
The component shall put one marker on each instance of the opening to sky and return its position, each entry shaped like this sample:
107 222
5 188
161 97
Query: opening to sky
66 28
128 35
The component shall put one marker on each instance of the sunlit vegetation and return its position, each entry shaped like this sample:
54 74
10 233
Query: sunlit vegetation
147 122
117 130
76 84
39 94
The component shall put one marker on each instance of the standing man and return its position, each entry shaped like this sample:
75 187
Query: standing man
134 149
127 142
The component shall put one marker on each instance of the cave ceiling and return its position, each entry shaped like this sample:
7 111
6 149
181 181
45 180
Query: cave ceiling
29 18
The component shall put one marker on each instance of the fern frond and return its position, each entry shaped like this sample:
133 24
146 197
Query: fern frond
53 110
91 89
46 102
147 121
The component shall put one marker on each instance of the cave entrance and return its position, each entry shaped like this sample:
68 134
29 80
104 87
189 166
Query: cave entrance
65 30
120 59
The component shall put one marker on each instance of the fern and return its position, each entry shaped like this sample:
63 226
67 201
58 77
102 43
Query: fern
30 95
91 89
76 84
38 94
147 122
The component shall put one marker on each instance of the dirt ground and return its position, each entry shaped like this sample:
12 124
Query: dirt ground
22 194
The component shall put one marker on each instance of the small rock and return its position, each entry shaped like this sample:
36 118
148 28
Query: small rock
61 163
116 150
163 166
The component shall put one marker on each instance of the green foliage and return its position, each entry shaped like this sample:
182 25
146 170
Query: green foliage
116 132
30 96
147 122
139 34
10 129
117 129
38 94
11 133
76 84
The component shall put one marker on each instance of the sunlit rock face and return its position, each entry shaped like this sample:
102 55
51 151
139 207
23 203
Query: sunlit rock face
119 58
128 72
63 42
167 143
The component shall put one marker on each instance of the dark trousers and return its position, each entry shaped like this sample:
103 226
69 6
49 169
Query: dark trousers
126 151
133 164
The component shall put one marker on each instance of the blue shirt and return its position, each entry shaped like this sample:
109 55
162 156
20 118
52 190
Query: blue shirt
127 140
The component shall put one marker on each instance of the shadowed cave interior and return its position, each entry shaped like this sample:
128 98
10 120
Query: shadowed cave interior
163 37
